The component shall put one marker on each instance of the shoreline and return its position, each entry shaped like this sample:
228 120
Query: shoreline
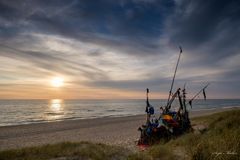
198 111
121 131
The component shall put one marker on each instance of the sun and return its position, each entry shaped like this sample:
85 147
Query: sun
57 82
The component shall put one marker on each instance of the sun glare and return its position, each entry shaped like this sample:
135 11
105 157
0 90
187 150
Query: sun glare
57 82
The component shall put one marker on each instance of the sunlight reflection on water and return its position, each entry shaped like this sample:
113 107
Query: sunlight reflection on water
15 112
55 110
56 105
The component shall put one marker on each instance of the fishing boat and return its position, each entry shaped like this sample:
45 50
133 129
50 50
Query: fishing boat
170 123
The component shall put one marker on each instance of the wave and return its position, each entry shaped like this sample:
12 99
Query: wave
53 113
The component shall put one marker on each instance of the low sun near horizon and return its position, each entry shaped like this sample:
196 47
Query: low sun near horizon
57 82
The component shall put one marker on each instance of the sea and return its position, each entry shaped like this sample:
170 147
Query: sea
18 112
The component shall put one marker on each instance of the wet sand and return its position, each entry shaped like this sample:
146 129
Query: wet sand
109 130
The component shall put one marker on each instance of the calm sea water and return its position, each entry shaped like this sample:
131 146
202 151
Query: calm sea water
14 112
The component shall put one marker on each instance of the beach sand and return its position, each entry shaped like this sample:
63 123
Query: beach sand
120 131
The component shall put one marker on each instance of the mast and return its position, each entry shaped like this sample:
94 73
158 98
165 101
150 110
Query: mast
147 101
170 92
184 98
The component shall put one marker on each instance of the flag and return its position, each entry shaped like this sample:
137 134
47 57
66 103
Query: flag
190 103
180 49
204 94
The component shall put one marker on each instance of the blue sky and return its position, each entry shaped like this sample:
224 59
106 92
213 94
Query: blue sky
116 49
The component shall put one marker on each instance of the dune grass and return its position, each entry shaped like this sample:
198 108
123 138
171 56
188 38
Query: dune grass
220 140
66 150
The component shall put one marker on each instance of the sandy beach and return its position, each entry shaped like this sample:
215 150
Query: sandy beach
110 130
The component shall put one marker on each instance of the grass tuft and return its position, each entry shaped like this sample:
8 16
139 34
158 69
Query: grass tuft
220 141
83 150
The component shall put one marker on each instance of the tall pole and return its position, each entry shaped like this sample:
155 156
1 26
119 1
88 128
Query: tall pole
147 101
184 98
170 92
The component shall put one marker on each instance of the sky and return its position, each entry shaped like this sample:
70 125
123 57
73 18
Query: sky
105 49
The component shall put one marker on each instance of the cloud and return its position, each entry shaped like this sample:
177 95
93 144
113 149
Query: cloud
121 45
209 29
53 62
102 22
